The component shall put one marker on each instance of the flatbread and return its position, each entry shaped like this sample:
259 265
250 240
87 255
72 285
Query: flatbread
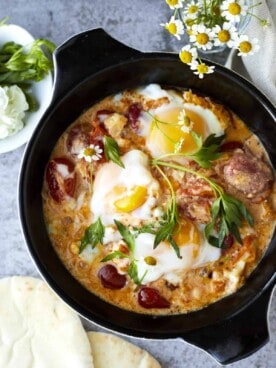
37 330
111 351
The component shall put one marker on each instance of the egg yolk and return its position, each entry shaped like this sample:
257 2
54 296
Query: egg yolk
135 199
186 233
166 133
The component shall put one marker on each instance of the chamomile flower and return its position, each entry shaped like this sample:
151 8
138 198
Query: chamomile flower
211 24
188 54
191 10
225 34
185 122
175 27
175 4
202 37
264 23
201 69
91 153
247 47
232 10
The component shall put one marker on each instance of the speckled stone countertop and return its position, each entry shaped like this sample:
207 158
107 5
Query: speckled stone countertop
137 24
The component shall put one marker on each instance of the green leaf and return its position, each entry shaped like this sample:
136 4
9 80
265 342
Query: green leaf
175 246
228 212
163 233
215 208
4 21
166 230
223 231
232 213
213 140
115 254
33 106
93 235
209 229
236 233
208 150
213 241
112 151
197 138
128 237
246 214
133 273
26 63
146 228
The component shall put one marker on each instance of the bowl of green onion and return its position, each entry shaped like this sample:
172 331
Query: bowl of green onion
25 84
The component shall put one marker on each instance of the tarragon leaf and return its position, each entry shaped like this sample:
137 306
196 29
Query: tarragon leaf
93 235
133 273
26 63
163 233
128 237
174 245
112 151
113 255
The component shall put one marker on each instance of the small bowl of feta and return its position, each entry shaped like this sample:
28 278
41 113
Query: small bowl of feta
21 104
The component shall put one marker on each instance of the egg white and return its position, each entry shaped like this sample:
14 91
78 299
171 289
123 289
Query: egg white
168 265
135 173
167 111
212 123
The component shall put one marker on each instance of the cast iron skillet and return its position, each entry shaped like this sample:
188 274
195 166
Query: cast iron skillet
89 67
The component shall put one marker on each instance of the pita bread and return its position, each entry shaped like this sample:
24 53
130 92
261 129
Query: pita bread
112 351
37 330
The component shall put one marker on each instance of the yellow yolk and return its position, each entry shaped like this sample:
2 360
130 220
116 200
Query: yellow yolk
165 133
186 233
132 201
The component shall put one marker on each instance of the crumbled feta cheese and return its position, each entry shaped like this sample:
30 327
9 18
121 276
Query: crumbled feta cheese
13 105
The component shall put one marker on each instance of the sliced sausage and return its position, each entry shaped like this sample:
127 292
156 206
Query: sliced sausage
248 174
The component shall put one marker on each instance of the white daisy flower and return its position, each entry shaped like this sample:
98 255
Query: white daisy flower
201 69
175 27
225 34
232 10
188 54
91 153
202 37
247 47
185 122
191 10
175 4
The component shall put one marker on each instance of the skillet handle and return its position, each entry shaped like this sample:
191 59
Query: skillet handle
237 337
86 54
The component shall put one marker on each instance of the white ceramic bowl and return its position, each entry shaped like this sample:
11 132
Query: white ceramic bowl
42 91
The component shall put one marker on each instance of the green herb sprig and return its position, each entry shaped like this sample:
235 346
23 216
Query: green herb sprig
112 151
207 150
129 239
165 228
227 212
93 235
24 64
170 219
